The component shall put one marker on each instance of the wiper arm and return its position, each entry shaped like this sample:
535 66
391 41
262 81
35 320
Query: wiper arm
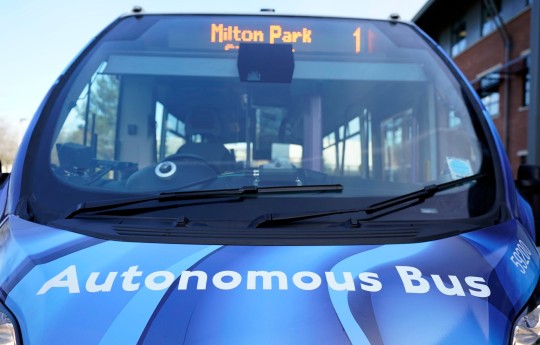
422 194
270 219
95 207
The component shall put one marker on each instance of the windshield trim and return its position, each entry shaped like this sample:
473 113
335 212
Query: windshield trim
351 232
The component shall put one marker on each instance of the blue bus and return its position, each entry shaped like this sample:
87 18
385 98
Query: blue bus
264 179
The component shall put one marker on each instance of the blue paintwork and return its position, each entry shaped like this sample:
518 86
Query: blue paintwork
381 311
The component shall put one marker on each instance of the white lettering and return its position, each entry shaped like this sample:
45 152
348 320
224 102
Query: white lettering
370 282
92 286
129 275
314 283
412 279
235 280
347 285
267 279
521 256
166 277
65 279
455 290
478 288
201 279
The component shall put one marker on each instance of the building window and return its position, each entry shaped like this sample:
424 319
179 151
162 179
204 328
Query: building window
488 16
527 83
491 102
489 93
459 37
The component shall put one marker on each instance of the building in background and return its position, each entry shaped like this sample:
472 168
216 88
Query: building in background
490 42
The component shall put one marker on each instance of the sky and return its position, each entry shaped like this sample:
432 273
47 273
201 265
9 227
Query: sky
38 39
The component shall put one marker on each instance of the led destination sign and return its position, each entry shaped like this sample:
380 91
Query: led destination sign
232 35
275 34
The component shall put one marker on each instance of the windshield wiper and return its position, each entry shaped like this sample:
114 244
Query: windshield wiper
427 192
107 205
422 194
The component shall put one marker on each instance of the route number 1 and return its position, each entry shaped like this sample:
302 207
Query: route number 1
357 37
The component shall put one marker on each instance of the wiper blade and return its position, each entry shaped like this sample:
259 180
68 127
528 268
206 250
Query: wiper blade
95 207
270 219
259 190
422 194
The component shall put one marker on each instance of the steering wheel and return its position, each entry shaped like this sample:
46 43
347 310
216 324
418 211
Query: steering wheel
175 172
191 160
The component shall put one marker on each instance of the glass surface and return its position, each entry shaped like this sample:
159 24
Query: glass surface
184 103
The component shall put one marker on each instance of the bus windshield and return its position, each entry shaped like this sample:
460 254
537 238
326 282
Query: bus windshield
165 103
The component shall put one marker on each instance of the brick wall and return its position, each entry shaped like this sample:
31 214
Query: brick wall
489 52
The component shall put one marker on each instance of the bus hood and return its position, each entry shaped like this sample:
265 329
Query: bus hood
67 288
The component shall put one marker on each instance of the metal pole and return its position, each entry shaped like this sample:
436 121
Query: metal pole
507 41
533 134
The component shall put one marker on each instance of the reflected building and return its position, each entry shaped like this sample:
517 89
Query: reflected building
489 40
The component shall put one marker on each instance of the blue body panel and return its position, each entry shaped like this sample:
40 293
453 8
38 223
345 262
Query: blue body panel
67 288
